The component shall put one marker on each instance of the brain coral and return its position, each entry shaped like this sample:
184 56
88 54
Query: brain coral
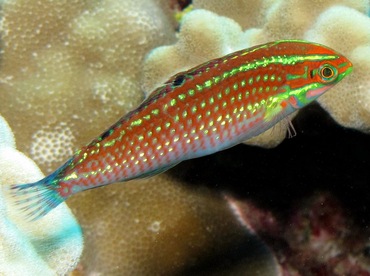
73 65
50 246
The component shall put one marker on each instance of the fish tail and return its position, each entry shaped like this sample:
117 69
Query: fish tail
36 199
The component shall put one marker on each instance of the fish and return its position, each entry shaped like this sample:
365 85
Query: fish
200 111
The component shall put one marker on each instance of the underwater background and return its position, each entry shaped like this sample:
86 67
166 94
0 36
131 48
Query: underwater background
276 206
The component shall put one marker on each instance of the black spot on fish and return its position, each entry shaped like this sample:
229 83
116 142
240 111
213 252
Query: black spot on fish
106 134
179 80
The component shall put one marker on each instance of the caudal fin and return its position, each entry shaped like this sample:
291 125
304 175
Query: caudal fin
36 199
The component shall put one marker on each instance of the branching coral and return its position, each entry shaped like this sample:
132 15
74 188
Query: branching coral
349 105
205 35
50 246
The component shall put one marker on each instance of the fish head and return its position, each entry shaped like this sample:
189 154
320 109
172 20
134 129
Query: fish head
320 69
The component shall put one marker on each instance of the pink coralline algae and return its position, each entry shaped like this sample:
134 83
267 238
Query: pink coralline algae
317 238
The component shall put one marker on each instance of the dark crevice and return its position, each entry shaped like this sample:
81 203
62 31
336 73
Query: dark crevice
323 156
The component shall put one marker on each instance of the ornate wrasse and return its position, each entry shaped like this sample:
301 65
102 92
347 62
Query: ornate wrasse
206 109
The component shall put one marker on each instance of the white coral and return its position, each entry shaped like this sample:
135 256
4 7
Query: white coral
49 246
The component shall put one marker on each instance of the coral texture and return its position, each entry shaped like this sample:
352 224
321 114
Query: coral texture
73 65
205 35
349 105
159 226
50 246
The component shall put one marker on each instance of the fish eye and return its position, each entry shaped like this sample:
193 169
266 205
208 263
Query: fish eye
328 73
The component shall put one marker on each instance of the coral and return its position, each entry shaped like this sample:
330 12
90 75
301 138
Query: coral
61 62
320 238
205 35
159 226
248 14
50 246
349 105
73 65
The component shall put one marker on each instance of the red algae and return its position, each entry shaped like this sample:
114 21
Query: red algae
317 238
